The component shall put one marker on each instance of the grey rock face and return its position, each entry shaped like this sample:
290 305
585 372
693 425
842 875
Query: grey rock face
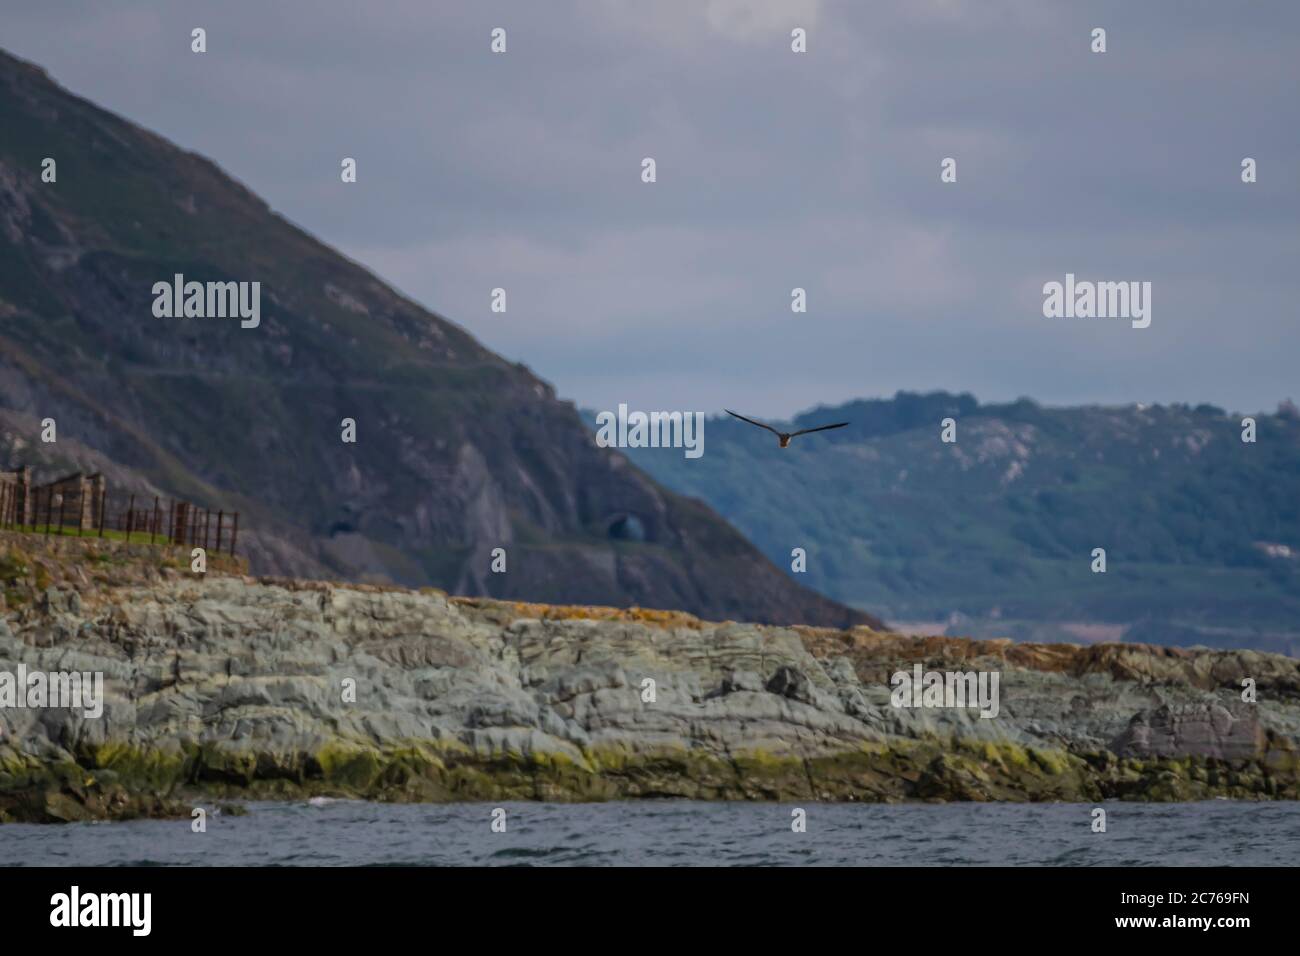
1208 729
270 671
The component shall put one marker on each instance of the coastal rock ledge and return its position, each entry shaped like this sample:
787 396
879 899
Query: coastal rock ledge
228 687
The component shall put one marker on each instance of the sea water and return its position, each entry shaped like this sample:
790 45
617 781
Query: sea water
679 833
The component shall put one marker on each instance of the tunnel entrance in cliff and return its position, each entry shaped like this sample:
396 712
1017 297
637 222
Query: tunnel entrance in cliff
625 527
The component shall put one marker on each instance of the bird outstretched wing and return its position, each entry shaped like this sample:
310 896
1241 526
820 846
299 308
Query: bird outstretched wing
819 428
751 421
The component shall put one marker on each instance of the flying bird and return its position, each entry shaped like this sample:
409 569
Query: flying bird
784 437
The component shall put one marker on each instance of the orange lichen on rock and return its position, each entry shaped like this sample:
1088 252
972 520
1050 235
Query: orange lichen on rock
582 612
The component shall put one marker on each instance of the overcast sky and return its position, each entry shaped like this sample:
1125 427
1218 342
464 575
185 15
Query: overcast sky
775 170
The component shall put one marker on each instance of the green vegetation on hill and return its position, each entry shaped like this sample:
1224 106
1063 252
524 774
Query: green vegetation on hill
31 564
1201 530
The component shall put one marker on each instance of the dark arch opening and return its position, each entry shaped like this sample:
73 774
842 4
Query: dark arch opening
626 527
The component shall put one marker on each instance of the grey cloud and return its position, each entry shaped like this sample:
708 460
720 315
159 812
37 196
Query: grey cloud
775 170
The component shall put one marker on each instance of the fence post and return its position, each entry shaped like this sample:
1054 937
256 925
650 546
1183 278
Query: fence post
234 533
221 515
49 509
153 521
103 503
130 519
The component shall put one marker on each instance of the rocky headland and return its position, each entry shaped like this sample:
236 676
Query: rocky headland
222 687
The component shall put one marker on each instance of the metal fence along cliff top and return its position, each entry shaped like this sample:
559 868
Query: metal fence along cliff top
81 505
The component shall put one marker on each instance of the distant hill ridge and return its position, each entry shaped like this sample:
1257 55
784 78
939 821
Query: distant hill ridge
993 533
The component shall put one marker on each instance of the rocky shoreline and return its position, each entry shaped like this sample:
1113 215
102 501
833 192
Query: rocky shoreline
227 687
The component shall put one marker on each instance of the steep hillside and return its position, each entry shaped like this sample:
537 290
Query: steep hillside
993 534
458 452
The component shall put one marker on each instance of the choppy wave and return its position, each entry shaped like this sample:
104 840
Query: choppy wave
680 833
